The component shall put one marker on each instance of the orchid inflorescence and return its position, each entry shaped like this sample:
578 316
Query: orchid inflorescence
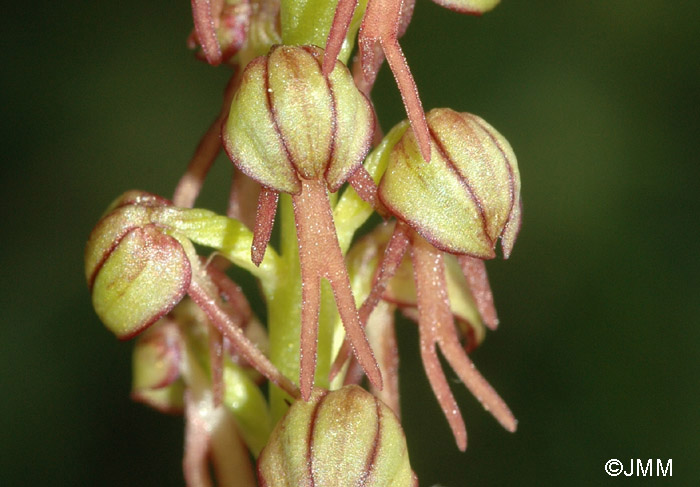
298 125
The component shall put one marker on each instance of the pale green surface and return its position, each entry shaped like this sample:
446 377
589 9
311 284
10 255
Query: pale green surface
344 432
303 107
109 228
341 430
484 160
432 199
250 135
306 21
244 399
309 21
123 293
285 460
354 126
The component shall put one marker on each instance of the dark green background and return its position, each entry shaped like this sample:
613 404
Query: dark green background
597 353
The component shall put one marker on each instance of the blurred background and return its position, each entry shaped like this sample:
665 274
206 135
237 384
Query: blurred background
597 353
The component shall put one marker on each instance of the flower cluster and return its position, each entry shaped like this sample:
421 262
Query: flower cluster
298 125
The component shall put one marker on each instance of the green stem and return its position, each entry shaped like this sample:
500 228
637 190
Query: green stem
284 315
284 307
307 22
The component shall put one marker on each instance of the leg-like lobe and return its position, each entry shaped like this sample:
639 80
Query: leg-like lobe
474 271
393 254
264 221
436 326
203 13
320 256
433 314
339 29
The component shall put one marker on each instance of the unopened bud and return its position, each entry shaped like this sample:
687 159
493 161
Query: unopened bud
288 121
135 271
156 368
145 275
343 438
467 196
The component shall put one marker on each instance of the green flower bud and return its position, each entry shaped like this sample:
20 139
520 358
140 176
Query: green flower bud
156 369
288 121
343 438
140 262
467 196
126 255
144 276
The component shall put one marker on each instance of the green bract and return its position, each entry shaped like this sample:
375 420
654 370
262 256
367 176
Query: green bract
343 438
288 121
467 196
